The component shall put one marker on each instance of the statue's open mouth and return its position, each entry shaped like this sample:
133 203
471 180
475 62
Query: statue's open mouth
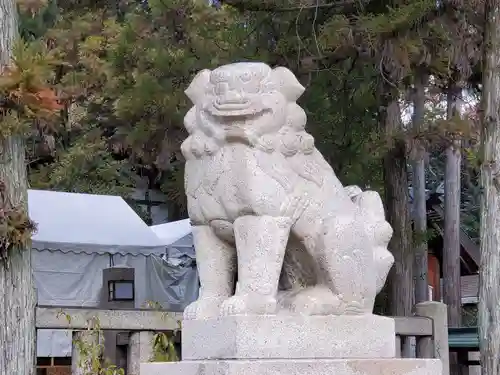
232 105
235 107
234 117
235 123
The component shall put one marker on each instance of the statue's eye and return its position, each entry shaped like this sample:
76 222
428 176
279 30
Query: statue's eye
220 76
246 77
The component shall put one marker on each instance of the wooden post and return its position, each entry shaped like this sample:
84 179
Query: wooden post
398 346
425 347
437 312
79 365
407 350
463 361
140 349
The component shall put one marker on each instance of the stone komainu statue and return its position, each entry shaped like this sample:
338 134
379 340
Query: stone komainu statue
264 202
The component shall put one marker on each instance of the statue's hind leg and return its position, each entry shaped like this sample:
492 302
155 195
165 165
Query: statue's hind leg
307 290
260 246
345 255
304 289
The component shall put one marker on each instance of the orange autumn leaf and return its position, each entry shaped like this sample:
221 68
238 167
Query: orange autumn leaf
49 100
43 100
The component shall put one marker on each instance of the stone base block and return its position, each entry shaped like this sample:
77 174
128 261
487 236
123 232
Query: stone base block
286 336
298 367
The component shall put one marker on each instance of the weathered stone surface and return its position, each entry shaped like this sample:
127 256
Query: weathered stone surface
263 200
286 336
297 367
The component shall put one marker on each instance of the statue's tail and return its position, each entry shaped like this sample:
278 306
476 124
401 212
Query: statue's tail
299 270
383 263
371 203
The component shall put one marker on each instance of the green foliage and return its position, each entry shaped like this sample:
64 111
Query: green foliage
36 17
163 343
471 193
90 352
423 237
372 28
163 349
91 360
469 315
16 227
85 166
341 106
27 99
121 79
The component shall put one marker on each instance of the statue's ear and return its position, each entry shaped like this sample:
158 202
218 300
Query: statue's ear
196 89
353 191
287 83
371 202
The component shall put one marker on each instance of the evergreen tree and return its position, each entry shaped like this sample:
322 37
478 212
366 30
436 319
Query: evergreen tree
26 101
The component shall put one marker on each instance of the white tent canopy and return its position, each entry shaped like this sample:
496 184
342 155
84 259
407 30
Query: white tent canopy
78 236
89 223
173 231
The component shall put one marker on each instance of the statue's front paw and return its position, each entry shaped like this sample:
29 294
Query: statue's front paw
248 304
203 308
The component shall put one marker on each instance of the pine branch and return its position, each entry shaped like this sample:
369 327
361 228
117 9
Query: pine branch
280 6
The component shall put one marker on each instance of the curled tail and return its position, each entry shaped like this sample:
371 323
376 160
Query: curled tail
371 204
299 268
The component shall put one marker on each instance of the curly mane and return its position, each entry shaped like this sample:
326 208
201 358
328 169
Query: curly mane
206 138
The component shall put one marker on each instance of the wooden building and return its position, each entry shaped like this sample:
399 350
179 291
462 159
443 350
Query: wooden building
469 256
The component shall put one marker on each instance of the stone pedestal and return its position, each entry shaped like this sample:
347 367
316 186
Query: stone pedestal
297 367
291 345
289 336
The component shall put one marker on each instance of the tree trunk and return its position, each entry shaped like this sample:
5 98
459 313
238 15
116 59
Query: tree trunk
419 199
175 212
489 276
451 246
17 294
401 290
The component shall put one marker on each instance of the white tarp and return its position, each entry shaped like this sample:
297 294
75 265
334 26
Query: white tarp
78 236
180 279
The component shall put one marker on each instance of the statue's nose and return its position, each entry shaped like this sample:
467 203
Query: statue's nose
233 96
227 94
221 88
